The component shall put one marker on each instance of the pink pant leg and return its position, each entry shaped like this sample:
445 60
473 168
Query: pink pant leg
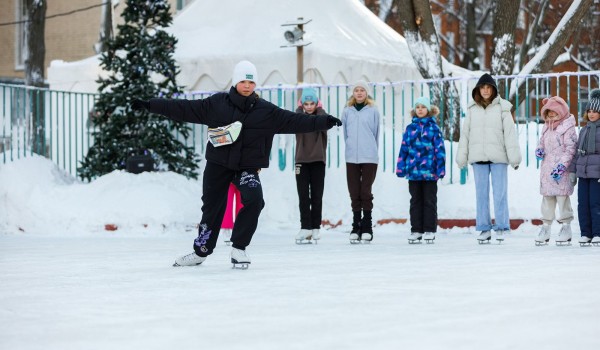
228 218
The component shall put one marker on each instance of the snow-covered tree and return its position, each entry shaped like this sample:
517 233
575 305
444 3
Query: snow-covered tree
548 52
140 65
422 39
506 13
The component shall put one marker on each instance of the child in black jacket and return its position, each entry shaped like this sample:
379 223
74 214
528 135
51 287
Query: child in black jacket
234 155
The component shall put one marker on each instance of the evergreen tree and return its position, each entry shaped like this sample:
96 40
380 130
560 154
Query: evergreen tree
140 65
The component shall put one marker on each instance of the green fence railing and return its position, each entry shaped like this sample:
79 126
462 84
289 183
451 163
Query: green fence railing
56 124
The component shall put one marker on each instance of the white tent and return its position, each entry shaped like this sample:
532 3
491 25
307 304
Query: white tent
348 42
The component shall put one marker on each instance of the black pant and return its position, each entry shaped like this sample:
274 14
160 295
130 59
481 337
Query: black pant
423 206
216 180
310 182
360 179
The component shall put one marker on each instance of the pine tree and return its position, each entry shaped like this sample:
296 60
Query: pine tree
140 65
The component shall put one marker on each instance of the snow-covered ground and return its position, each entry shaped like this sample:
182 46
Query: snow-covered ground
119 291
69 284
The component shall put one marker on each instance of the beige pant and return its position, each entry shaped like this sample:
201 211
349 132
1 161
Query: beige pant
565 211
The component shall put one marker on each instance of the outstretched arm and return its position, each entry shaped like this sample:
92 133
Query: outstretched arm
287 122
192 111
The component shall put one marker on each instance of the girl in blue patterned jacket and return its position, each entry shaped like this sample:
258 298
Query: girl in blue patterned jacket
422 160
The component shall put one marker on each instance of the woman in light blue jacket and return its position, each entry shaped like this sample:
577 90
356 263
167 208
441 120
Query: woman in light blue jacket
360 120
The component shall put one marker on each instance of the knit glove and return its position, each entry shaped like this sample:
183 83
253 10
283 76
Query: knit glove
573 179
333 121
558 172
138 105
539 153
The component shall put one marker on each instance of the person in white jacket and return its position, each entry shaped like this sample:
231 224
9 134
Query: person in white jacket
489 142
360 120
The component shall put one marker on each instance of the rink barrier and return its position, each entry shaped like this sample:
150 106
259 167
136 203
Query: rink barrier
64 117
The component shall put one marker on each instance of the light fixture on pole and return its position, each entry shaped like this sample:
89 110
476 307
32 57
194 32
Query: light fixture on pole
294 35
295 38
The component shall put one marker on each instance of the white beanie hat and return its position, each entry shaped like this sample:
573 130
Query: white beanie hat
244 70
363 84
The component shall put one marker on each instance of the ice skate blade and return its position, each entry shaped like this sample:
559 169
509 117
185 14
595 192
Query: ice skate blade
177 265
430 241
239 265
563 243
414 241
539 244
596 244
243 266
484 241
355 241
303 241
589 244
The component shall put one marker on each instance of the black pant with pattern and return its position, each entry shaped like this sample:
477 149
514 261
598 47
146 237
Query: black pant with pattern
216 180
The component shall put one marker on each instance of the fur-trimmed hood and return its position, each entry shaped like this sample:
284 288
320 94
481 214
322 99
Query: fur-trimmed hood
434 111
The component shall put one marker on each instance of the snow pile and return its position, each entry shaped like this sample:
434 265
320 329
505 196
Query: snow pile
36 196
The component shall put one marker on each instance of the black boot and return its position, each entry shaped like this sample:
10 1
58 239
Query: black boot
356 222
366 226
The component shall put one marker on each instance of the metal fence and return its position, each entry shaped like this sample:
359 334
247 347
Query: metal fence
60 129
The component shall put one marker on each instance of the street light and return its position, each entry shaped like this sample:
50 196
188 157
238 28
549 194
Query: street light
295 38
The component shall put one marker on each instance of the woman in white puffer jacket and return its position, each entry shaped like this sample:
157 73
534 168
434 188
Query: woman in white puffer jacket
489 142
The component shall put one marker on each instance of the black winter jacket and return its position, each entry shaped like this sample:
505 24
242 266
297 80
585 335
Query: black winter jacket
261 121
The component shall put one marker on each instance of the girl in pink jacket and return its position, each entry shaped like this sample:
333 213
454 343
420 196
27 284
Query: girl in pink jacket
556 149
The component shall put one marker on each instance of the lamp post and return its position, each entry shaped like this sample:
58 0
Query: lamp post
294 37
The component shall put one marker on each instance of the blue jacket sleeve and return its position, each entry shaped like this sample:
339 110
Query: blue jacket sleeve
402 155
439 154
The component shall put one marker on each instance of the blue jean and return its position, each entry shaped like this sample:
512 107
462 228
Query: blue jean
588 207
483 220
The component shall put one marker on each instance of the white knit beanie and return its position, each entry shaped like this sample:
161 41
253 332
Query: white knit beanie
244 70
363 84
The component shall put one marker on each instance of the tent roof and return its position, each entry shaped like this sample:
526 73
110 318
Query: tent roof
347 42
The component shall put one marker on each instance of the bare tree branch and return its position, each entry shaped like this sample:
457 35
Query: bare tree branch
552 48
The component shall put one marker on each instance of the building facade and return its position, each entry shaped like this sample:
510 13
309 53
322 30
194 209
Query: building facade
71 31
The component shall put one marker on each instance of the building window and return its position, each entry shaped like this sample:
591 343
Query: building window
20 45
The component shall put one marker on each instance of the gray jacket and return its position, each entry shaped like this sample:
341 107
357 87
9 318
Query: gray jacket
361 134
587 165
